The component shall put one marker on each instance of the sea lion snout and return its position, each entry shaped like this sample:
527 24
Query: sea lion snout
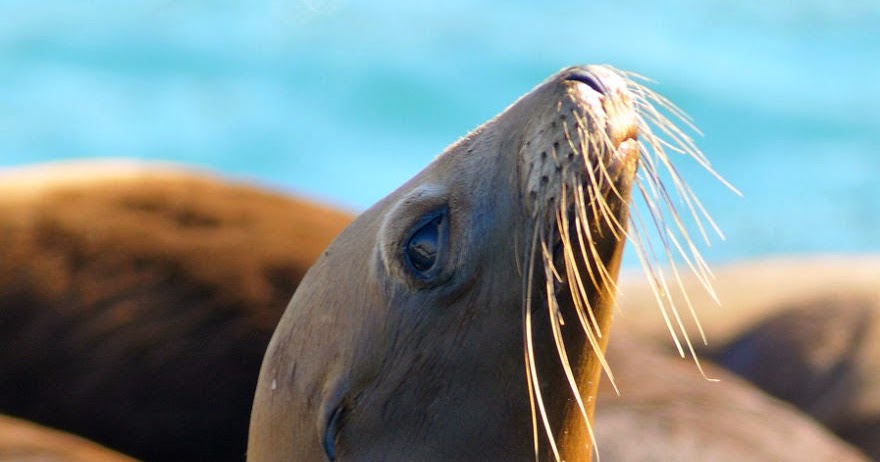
583 132
614 99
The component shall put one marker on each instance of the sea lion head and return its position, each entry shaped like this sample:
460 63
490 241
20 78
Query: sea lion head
463 316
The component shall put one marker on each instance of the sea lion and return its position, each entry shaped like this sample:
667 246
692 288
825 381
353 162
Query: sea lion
805 329
137 300
464 316
667 411
749 291
22 441
822 356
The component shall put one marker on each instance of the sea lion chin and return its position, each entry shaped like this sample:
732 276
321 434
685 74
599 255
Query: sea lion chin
464 316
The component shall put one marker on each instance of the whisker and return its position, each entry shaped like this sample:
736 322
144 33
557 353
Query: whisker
672 231
587 212
563 356
536 398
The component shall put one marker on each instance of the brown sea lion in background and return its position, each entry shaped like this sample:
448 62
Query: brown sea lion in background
667 411
136 301
822 355
22 441
749 292
806 330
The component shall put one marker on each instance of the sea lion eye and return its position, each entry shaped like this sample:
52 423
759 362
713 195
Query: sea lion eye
421 249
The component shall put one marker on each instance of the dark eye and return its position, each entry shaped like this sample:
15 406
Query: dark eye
421 250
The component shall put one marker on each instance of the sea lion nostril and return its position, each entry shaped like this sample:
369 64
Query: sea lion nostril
585 77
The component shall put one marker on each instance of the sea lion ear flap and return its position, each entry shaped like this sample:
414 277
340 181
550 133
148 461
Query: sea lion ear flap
331 417
331 431
414 239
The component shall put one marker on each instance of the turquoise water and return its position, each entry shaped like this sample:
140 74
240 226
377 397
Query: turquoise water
344 100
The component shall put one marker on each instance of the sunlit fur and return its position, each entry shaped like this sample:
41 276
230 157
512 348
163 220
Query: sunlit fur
584 195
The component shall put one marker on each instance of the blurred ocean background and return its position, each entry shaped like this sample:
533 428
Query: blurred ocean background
342 101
